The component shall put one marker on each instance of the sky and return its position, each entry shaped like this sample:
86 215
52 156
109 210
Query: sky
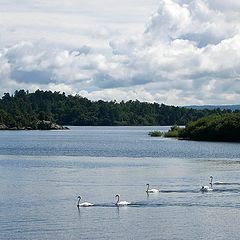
177 52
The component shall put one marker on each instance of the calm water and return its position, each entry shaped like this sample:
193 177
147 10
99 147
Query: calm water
43 172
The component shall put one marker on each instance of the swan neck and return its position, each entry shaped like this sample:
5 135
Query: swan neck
79 199
211 182
147 188
117 200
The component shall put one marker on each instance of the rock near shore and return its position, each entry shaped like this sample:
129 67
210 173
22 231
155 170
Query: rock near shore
3 127
48 125
40 125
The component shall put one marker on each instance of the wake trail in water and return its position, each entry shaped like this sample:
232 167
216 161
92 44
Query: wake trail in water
179 191
165 204
226 183
232 190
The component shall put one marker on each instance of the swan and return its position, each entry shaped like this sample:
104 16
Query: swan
84 204
208 188
151 190
121 203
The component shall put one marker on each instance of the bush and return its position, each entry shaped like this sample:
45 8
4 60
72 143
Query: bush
175 132
155 134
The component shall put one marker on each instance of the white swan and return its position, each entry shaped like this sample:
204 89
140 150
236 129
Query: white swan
84 204
208 188
121 203
153 190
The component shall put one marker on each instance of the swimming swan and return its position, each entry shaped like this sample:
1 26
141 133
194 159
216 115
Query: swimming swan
121 203
208 188
151 190
84 204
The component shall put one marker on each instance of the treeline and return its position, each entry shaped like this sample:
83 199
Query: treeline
220 127
24 109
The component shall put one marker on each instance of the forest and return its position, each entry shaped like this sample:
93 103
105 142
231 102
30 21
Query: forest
23 110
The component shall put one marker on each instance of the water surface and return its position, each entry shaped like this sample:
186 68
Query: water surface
43 172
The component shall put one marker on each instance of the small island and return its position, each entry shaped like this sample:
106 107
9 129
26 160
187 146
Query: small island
218 127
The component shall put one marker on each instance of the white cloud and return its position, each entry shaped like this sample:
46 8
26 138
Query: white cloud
187 54
195 21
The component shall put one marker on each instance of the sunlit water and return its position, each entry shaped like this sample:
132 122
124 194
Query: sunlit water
43 172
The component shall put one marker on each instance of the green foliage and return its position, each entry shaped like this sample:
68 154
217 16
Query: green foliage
174 132
155 134
24 109
217 127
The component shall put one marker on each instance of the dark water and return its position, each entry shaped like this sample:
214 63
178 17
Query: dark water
43 172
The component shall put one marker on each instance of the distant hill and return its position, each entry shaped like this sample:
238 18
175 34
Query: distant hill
212 107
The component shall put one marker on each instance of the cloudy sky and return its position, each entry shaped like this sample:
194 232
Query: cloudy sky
179 52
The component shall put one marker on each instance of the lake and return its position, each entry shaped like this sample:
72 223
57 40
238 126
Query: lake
43 172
